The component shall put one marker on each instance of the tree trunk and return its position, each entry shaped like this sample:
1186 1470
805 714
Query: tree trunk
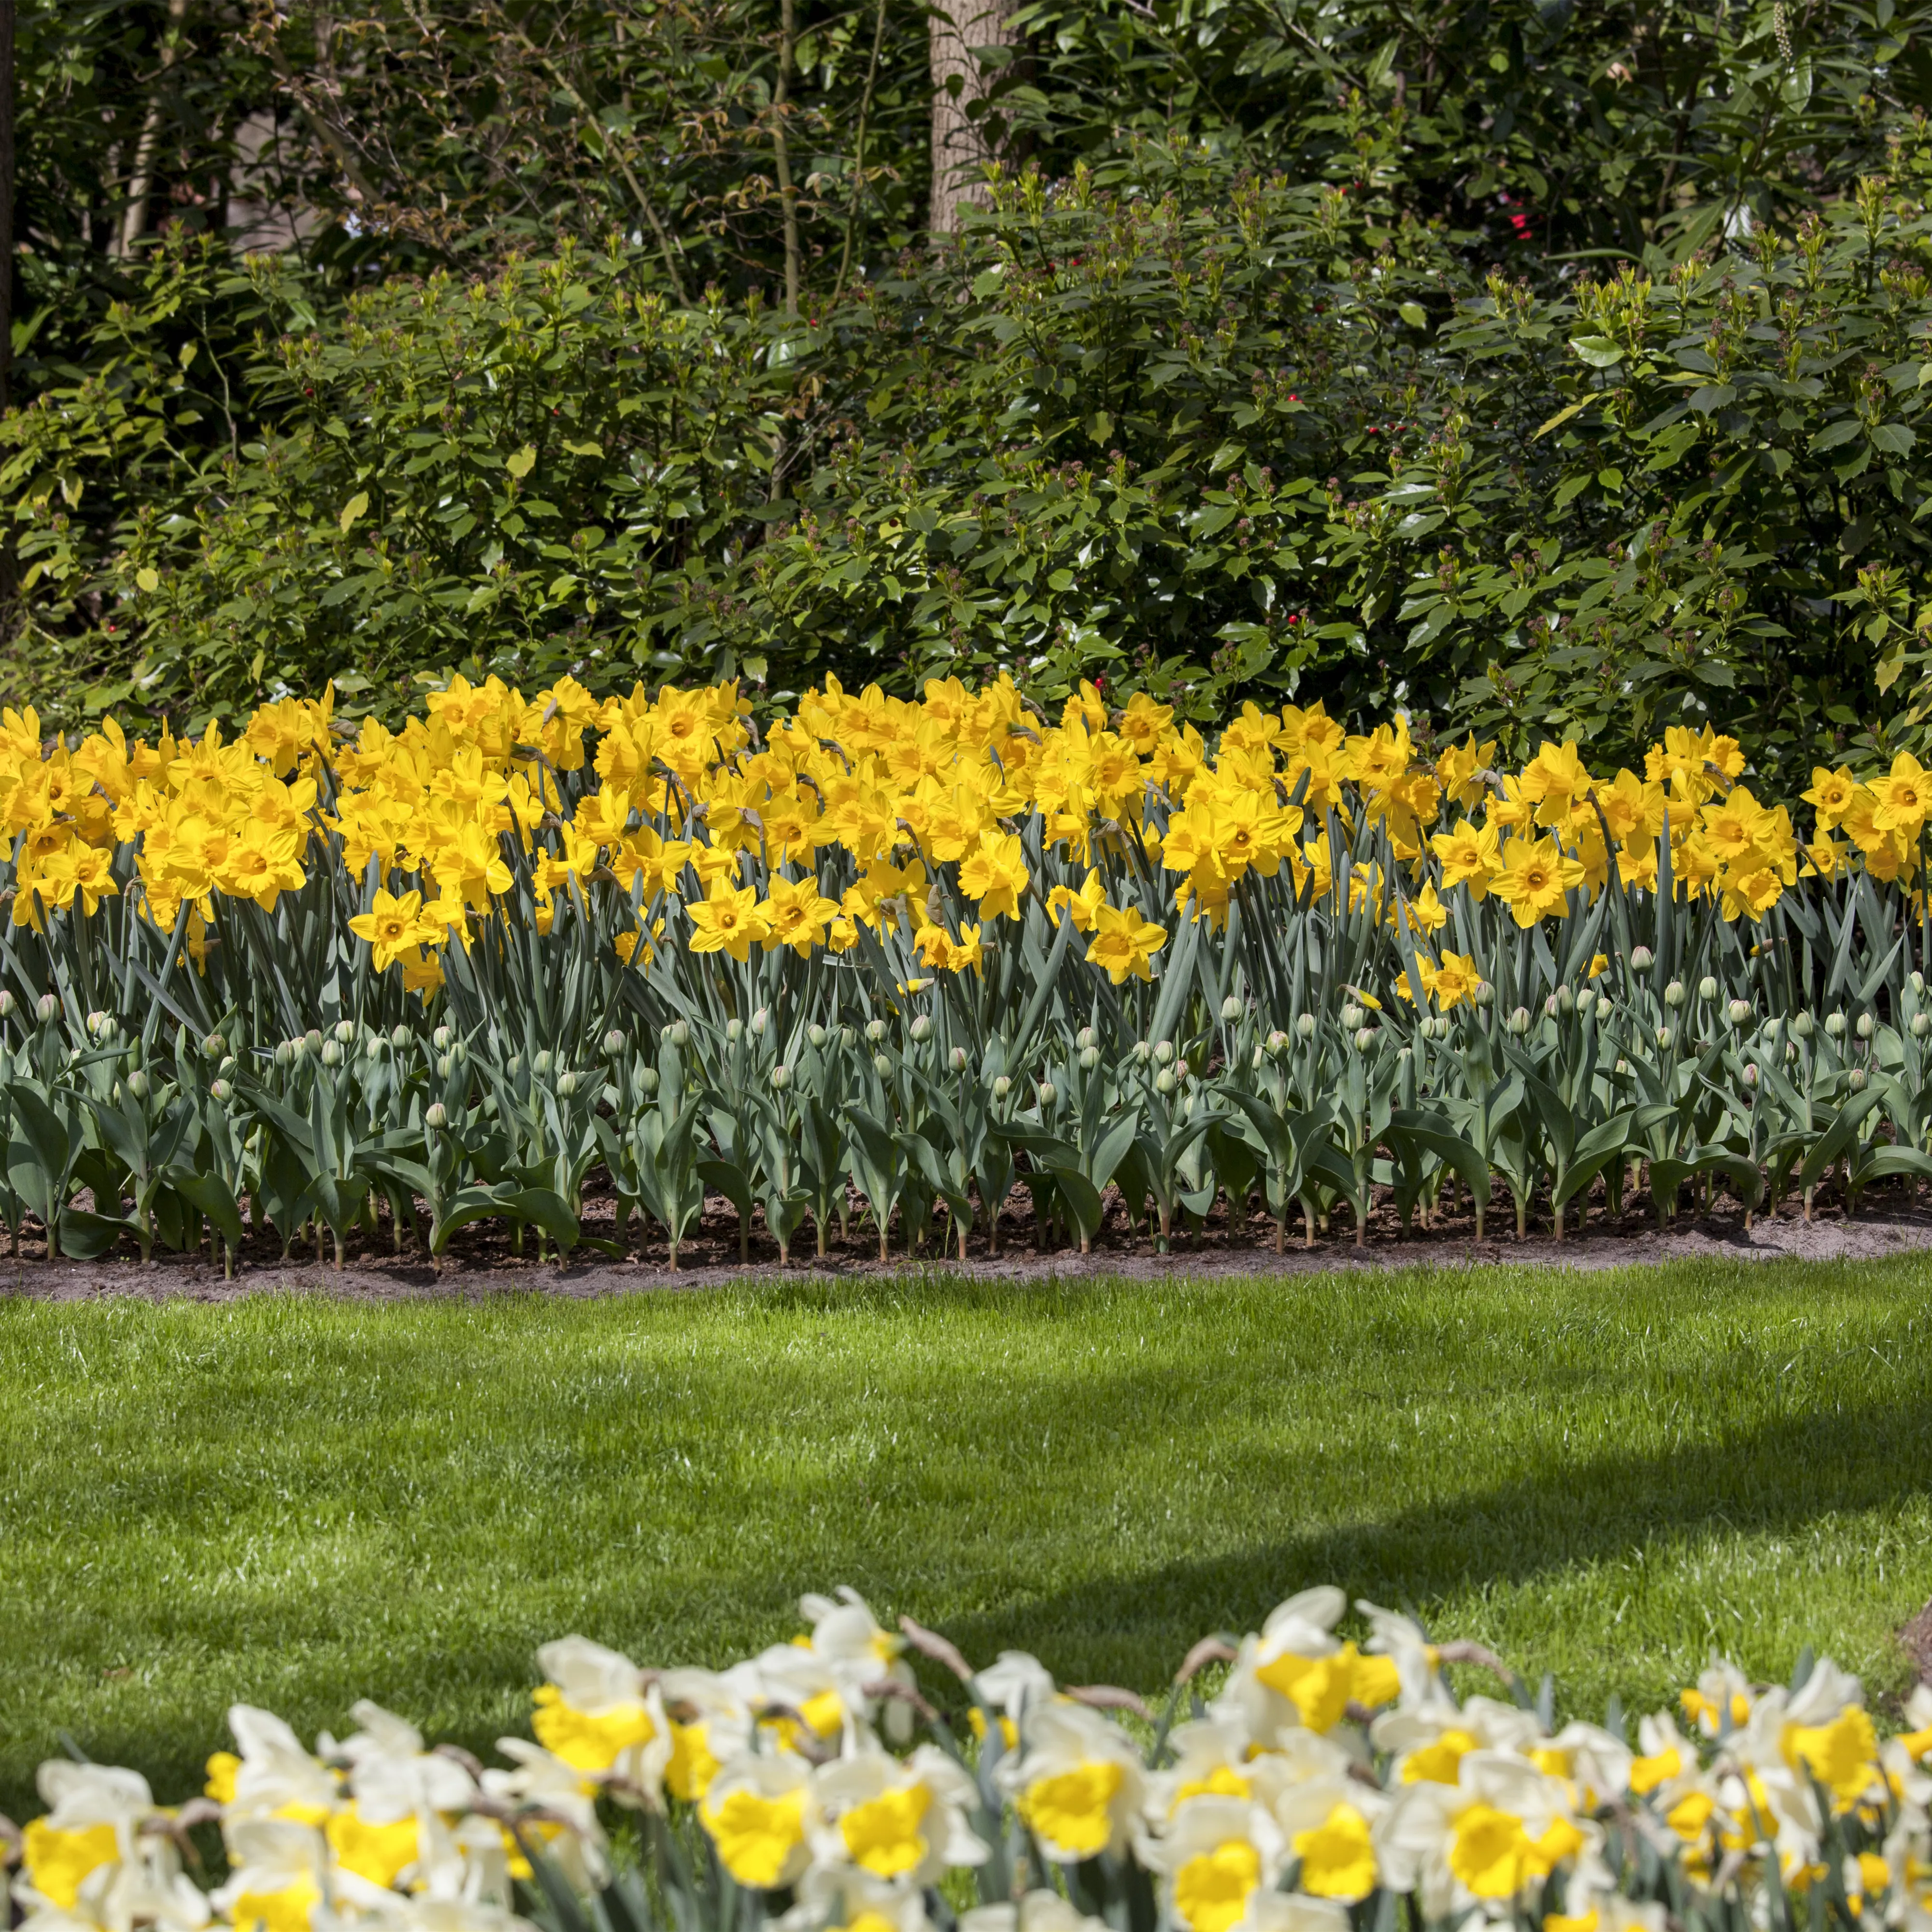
782 149
141 183
960 147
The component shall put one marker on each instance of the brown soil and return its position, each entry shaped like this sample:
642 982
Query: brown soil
481 1261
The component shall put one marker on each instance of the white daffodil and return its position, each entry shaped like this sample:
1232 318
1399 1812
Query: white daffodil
1215 1857
1402 1641
1013 1685
902 1821
279 1875
754 1812
1078 1781
863 1656
846 1898
1429 1744
710 1716
92 1826
1482 1843
273 1777
1328 1825
562 1821
1215 1758
1720 1702
601 1714
1297 1672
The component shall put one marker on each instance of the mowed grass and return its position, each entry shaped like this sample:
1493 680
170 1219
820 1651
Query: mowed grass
298 1502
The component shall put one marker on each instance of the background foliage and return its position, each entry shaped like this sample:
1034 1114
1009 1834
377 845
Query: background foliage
1553 369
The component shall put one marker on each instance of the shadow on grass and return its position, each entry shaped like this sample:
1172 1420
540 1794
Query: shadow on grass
1134 1626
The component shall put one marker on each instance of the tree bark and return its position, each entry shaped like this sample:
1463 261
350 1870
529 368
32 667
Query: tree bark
782 149
141 184
960 147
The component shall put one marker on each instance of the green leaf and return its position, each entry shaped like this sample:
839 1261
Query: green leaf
1600 352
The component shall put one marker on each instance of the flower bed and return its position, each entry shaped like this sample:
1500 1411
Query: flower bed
903 955
1325 1786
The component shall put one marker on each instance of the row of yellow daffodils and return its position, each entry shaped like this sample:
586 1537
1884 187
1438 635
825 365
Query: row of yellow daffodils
846 815
1322 1781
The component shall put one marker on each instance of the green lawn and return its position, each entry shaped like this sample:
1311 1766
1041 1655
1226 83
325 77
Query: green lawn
299 1502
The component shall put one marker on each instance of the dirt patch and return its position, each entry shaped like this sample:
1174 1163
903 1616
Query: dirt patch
482 1262
1915 1641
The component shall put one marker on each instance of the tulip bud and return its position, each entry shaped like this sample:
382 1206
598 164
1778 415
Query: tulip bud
214 1046
6 1006
957 1060
1352 1017
648 1080
331 1054
227 1066
1231 1009
442 1066
1182 1071
1773 1026
1606 1006
734 1030
613 1043
1519 1021
781 1077
848 1037
345 1030
1916 981
1622 1069
1048 1093
1707 988
875 1030
1673 994
1485 994
1750 1076
1641 959
436 1115
312 1040
441 1038
1163 1052
1835 1026
1365 1038
1549 1007
1143 1053
1256 1059
541 1061
1277 1043
1856 1079
285 1054
922 1028
1164 1081
818 1036
138 1083
1803 1026
100 1025
1566 1001
221 1090
882 1062
372 1047
1867 1026
1086 1037
1002 1087
761 1020
1664 1035
1922 1025
1090 1057
1739 1011
1304 1025
680 1034
48 1006
566 1085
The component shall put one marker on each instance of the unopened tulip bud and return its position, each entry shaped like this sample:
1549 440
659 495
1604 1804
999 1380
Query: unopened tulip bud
848 1037
436 1115
1163 1052
1485 994
1664 1035
227 1066
566 1085
100 1025
922 1028
1606 1006
214 1046
1519 1021
1750 1076
441 1038
1803 1026
49 1007
1305 1026
613 1043
875 1030
1086 1037
1231 1009
1855 1079
761 1020
1622 1069
1352 1017
400 1036
1922 1025
1916 981
1048 1093
1707 988
1641 960
734 1030
882 1062
138 1084
312 1040
331 1054
221 1090
648 1080
1002 1087
1182 1071
1835 1026
1739 1011
957 1060
372 1047
1277 1043
818 1036
345 1031
6 1006
1090 1057
1164 1081
1566 1001
680 1034
1673 994
443 1063
1867 1026
286 1052
781 1077
1256 1059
